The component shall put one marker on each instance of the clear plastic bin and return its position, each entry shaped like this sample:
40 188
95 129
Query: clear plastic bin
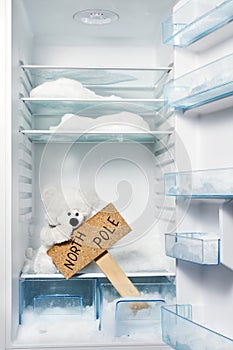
196 247
194 20
182 333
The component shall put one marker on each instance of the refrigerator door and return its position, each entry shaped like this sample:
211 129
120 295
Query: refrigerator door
204 189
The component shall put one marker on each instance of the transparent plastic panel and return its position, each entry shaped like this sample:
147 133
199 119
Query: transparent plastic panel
42 136
136 316
212 183
196 247
97 78
154 290
58 296
56 304
194 20
203 85
53 106
182 333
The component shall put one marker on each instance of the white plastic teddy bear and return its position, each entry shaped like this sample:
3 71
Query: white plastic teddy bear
62 220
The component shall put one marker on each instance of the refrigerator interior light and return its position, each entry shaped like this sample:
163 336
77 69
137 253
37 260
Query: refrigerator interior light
96 16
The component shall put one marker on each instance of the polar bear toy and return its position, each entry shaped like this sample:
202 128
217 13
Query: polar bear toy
62 220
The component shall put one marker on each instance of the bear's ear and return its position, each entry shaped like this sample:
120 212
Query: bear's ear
85 201
54 204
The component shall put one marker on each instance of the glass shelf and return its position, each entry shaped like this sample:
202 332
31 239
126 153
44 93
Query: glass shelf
45 136
181 332
194 20
97 77
196 247
203 85
53 106
211 183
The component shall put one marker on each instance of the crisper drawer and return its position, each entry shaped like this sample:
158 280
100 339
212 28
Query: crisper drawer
91 311
58 296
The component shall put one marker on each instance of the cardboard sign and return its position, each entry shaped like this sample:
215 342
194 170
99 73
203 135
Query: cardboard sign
89 241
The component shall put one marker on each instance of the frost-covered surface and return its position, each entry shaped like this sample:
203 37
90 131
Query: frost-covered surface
62 327
146 254
124 121
66 88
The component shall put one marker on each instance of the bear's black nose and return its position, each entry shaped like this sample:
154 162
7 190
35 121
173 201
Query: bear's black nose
74 222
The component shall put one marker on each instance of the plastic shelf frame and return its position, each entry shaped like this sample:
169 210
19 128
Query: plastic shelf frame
181 332
47 136
195 247
206 84
194 20
210 183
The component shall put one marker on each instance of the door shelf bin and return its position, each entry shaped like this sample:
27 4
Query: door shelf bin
181 332
203 85
58 296
194 20
211 183
200 248
155 290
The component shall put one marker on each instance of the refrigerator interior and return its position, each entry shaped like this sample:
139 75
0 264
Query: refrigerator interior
125 58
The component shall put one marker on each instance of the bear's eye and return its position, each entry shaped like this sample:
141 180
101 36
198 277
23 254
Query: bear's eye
69 214
77 214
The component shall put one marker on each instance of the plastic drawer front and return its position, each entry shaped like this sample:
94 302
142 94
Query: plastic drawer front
58 296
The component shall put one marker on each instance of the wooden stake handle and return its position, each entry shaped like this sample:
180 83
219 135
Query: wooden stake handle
119 279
